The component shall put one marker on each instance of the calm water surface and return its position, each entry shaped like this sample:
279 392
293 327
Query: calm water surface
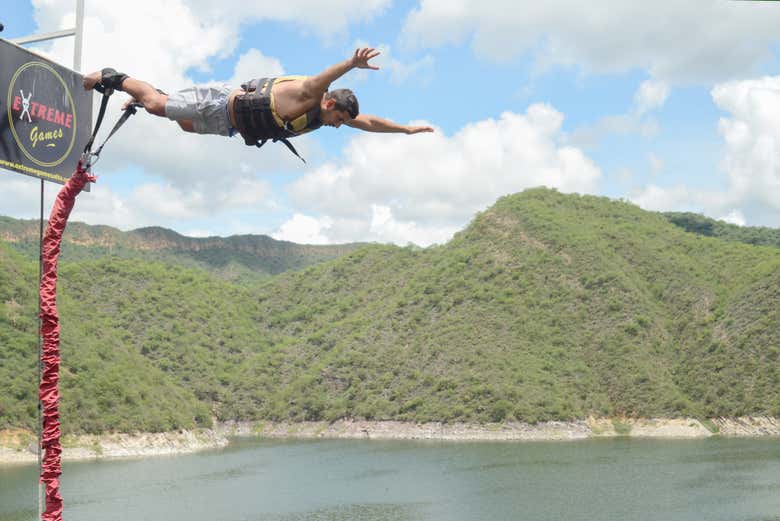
255 480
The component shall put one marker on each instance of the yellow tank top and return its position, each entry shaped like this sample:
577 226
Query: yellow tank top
298 125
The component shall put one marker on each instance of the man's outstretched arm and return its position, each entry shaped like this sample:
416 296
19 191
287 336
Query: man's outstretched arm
371 123
315 86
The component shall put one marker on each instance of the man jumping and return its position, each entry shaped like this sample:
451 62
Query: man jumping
268 108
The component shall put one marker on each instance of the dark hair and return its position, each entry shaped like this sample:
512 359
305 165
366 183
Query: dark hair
345 101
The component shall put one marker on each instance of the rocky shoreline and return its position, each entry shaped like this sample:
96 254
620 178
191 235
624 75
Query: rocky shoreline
18 446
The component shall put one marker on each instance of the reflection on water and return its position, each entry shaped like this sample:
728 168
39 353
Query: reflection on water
356 513
21 515
254 480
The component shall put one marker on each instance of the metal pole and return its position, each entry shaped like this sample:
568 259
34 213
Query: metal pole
79 35
40 363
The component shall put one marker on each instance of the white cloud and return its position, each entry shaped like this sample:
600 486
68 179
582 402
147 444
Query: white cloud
173 38
664 199
104 206
190 27
325 18
425 187
398 70
751 159
146 205
170 203
752 138
21 199
734 217
651 95
385 227
243 193
21 195
254 64
303 229
420 70
675 40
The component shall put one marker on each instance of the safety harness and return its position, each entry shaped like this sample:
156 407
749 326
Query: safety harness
110 81
255 117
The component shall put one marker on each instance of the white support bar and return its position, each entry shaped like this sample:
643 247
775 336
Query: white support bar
42 37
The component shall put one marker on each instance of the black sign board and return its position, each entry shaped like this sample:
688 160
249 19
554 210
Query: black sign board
45 115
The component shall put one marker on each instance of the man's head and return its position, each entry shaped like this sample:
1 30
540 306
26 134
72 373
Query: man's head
338 106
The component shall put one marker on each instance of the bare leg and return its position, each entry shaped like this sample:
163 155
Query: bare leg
152 100
186 125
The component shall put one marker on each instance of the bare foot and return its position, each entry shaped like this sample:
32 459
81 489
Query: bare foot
90 80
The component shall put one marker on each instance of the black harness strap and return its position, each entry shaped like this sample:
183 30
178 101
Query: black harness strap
284 140
89 158
129 111
102 112
265 116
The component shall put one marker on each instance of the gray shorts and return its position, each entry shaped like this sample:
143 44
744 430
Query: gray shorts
205 105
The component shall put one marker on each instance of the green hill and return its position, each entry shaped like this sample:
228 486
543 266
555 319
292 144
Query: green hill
695 223
547 306
240 258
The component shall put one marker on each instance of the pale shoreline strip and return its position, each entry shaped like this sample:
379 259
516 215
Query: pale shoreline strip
18 447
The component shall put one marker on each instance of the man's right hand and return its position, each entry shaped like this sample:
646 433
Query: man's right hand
361 57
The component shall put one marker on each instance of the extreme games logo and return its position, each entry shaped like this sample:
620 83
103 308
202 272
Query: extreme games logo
41 114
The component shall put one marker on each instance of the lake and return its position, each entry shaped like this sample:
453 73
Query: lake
363 480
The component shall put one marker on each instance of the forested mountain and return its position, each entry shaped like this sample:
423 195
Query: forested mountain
239 258
547 306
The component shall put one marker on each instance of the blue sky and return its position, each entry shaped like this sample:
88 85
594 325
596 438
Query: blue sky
674 106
